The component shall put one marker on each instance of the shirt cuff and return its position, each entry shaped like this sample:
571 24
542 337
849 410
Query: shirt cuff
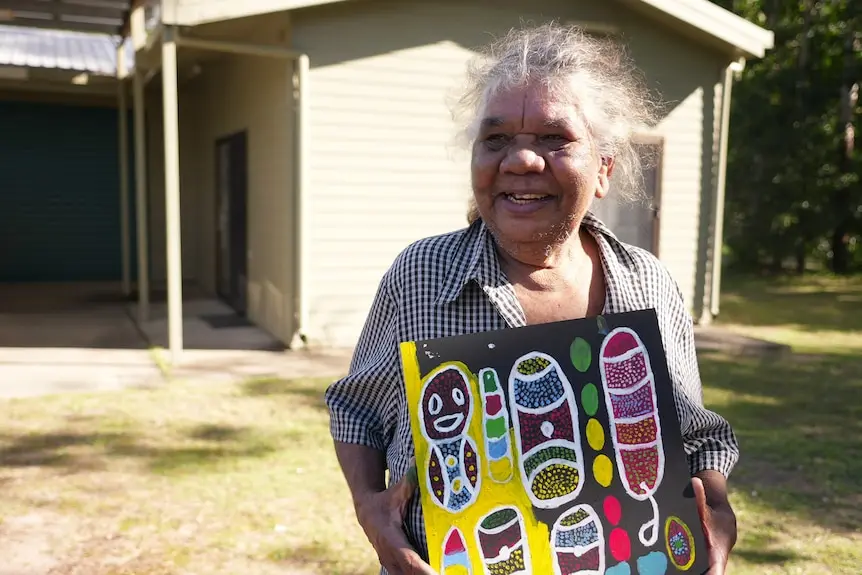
711 460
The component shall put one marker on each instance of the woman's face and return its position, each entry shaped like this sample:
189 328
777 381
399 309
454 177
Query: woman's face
534 169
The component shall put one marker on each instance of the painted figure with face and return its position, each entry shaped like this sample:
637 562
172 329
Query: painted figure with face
453 464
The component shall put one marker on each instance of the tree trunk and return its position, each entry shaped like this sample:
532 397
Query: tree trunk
802 85
801 257
846 148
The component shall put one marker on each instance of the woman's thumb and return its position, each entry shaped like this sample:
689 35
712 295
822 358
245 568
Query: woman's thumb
407 485
700 499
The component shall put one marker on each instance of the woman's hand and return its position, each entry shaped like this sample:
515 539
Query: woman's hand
719 524
381 515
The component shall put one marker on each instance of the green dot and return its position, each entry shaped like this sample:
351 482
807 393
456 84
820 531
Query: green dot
590 399
581 354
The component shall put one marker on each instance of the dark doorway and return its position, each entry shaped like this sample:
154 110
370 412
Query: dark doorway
636 223
231 219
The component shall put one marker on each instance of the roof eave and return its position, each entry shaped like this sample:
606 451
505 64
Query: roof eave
742 38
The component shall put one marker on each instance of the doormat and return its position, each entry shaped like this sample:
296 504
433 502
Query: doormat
226 320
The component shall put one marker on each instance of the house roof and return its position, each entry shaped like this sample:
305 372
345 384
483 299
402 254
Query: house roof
710 20
701 17
60 50
101 16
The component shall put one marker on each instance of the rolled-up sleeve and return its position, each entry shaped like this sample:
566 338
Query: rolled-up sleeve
709 439
358 402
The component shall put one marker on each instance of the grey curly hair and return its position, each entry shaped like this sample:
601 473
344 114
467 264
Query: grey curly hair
606 86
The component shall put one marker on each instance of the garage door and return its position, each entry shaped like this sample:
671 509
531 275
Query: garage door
59 198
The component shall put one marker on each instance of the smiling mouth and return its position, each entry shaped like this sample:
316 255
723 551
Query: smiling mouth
448 423
524 199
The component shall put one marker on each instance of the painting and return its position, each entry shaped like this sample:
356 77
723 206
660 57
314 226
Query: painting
553 448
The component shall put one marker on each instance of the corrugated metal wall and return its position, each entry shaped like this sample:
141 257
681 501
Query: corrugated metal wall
59 193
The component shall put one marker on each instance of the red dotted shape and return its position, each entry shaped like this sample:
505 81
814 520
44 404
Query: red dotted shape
613 509
621 547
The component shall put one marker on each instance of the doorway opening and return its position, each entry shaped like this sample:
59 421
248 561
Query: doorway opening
232 220
637 223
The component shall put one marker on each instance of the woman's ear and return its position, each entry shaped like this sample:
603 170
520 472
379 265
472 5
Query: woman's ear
603 183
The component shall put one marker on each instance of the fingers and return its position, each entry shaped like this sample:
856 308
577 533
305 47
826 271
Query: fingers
400 558
700 498
406 487
716 566
416 566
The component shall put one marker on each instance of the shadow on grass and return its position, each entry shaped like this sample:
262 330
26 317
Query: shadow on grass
318 557
798 421
813 304
193 450
759 557
308 392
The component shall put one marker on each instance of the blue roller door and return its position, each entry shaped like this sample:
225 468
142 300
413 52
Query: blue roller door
59 193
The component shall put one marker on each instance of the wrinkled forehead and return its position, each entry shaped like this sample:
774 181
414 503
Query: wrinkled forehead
530 106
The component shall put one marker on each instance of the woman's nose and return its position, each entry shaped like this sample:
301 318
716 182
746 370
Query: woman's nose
522 159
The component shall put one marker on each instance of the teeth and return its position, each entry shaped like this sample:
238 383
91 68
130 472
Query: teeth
526 197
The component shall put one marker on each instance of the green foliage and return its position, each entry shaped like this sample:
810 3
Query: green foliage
789 195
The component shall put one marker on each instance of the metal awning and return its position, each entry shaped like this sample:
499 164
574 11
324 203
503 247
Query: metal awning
100 16
61 50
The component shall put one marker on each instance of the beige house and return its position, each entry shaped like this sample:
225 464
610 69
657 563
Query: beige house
294 147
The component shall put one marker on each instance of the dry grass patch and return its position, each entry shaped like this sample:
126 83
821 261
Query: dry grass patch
185 479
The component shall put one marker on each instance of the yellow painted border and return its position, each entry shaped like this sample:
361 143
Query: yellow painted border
492 495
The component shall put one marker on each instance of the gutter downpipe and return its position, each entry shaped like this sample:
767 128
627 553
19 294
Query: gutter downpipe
300 183
720 186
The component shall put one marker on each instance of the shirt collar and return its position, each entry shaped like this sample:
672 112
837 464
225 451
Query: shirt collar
478 259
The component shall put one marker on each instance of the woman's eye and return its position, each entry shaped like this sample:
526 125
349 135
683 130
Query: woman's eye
554 140
497 141
435 404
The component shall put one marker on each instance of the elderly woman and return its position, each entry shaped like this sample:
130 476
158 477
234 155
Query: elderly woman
552 112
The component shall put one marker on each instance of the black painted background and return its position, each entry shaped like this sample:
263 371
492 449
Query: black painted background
674 496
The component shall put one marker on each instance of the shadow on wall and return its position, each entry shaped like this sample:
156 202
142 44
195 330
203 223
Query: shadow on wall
413 24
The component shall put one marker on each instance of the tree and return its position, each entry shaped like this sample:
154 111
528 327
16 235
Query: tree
790 196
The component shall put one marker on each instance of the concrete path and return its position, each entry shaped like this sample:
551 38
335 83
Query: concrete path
100 348
717 338
41 371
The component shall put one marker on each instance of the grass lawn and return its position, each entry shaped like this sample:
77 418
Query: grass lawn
228 479
798 486
188 479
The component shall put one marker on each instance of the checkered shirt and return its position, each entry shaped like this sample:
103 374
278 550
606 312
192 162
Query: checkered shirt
452 284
